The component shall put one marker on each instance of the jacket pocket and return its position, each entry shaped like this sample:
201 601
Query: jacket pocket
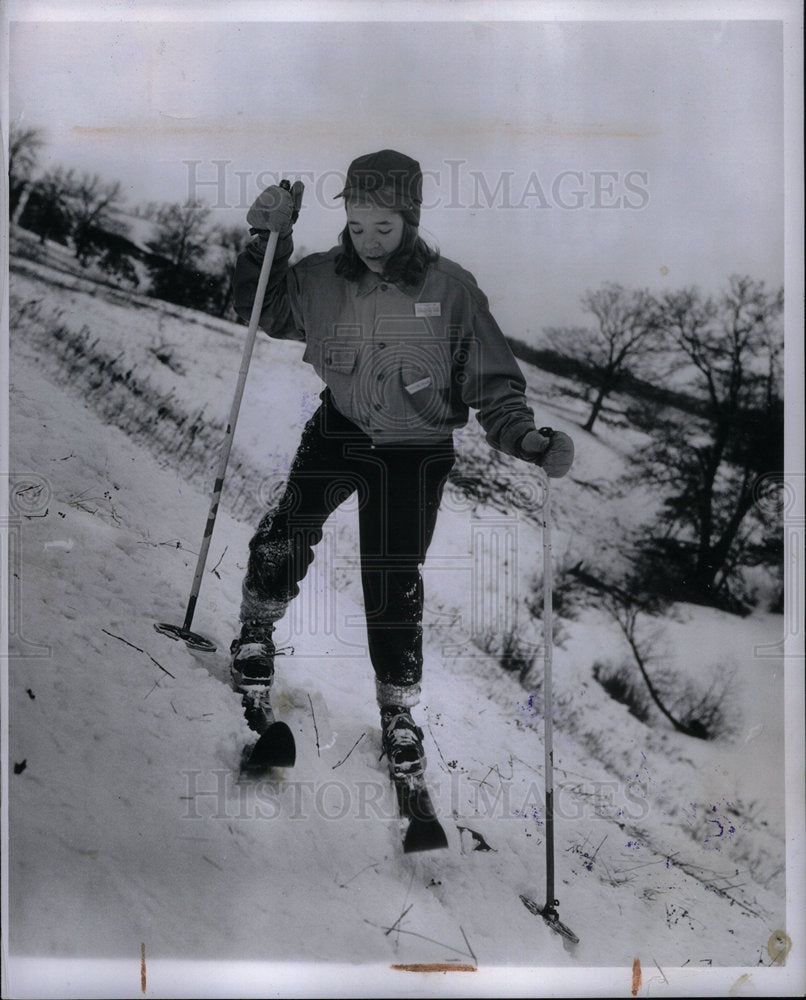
340 359
425 384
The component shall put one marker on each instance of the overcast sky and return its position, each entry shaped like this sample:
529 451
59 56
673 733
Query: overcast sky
561 154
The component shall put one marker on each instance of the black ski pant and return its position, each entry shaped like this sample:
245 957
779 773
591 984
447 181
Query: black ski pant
399 490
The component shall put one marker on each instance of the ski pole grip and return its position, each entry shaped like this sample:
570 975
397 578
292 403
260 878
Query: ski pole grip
256 212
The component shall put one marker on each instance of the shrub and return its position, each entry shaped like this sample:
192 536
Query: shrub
568 593
515 655
166 355
624 684
706 711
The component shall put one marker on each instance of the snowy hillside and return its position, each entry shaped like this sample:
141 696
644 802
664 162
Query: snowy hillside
131 840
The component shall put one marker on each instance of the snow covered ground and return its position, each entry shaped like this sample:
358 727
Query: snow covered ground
133 845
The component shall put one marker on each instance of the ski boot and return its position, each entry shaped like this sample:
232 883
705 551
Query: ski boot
252 672
402 744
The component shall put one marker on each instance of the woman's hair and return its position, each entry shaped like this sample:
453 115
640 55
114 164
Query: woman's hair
407 264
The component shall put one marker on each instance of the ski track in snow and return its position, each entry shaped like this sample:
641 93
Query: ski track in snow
127 823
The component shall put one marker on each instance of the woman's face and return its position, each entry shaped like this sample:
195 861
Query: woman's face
376 233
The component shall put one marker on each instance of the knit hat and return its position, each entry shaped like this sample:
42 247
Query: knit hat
388 178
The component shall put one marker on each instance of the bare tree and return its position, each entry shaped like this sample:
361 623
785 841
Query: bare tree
709 468
24 144
228 241
178 250
182 232
625 335
93 202
50 207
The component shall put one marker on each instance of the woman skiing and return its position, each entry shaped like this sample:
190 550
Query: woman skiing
405 344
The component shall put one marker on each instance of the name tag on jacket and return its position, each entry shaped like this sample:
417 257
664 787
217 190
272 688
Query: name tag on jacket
427 308
422 383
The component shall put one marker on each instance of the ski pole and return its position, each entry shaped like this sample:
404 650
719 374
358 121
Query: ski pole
549 911
193 639
548 640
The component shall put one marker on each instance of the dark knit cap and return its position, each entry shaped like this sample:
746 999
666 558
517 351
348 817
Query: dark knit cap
387 178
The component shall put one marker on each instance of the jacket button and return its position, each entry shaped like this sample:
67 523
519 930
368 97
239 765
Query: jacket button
378 406
384 287
381 345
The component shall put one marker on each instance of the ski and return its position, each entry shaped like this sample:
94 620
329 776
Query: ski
551 917
274 748
424 831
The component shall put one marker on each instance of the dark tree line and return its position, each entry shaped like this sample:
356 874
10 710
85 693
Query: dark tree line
188 260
